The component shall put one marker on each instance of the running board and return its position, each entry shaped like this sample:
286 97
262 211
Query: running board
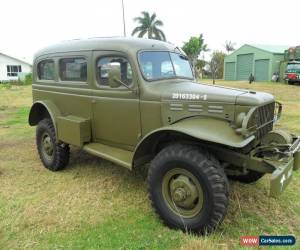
116 155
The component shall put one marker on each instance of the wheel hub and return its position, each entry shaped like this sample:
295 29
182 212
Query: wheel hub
179 195
47 145
183 191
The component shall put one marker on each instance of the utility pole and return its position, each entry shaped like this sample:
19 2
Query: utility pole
124 26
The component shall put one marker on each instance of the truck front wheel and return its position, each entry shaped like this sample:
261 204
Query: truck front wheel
188 188
54 156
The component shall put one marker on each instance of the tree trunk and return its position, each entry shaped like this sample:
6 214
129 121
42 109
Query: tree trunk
194 61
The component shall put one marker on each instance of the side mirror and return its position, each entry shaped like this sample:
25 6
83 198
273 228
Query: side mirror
114 77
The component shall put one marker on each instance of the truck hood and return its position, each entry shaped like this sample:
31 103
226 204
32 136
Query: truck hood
192 91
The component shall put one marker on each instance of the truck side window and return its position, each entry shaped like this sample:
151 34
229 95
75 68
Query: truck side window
73 69
105 64
45 70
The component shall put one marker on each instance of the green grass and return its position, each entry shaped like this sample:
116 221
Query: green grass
94 204
121 232
19 116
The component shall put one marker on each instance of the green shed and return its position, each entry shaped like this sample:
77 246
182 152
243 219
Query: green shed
260 60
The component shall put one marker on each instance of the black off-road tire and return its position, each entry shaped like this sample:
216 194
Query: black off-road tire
61 152
251 177
211 177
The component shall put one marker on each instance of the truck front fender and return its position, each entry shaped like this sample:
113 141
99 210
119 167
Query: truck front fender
212 130
41 110
200 128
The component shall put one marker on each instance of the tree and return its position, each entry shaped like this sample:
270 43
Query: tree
200 64
217 65
229 46
149 25
193 49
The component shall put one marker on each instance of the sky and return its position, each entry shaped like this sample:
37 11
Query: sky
29 25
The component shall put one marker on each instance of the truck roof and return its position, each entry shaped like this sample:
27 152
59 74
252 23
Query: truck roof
123 44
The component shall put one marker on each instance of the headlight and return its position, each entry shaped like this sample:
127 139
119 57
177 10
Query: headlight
246 122
239 119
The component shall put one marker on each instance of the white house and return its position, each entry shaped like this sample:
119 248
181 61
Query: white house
12 68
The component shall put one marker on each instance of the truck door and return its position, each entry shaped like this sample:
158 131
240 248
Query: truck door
116 111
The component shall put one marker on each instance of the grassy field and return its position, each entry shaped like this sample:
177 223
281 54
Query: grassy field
94 204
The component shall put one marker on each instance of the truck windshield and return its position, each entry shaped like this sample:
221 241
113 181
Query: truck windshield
293 66
163 64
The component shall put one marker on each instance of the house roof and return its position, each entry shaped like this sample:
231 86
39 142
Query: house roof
15 59
278 49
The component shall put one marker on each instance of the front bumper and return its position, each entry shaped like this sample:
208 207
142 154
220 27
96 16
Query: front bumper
284 167
279 160
281 178
297 79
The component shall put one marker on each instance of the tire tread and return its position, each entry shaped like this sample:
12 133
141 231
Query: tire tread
61 154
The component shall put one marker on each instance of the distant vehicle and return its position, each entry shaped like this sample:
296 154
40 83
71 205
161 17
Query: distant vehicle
136 103
292 56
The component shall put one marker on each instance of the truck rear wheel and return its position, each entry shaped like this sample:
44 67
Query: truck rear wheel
54 156
188 189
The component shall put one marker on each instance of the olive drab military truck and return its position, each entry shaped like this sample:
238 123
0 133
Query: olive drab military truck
135 102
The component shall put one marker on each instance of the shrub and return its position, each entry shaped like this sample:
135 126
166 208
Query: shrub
28 79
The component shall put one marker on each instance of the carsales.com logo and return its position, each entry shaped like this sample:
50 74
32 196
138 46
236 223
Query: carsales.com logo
264 240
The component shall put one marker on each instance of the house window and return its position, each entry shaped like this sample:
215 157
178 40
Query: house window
46 70
13 70
73 69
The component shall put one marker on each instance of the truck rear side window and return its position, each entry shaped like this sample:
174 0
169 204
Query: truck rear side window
73 69
45 70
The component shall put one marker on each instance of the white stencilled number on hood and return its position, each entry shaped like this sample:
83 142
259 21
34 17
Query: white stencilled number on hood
188 96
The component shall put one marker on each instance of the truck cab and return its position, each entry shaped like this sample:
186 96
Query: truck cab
292 74
292 57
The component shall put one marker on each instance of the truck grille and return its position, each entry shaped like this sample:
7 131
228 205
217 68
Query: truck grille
264 117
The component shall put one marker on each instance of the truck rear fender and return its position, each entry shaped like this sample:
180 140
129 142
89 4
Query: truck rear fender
41 110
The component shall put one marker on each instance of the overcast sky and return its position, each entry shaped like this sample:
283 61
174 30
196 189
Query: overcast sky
28 25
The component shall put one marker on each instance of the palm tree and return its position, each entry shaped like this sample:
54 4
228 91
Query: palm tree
229 46
149 25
